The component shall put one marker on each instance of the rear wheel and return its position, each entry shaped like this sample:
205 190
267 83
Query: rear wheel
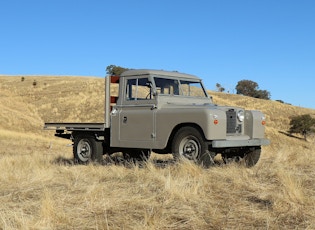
189 143
87 149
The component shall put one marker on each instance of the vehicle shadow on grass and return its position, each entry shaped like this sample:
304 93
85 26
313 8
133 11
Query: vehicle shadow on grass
291 135
116 160
120 161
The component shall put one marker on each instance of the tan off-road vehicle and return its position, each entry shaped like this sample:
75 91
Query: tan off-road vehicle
166 112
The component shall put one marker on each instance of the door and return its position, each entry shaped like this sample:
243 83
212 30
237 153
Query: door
137 115
137 126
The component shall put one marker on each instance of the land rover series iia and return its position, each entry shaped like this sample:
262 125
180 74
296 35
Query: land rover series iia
166 112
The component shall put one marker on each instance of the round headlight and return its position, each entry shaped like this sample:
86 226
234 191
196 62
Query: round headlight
240 115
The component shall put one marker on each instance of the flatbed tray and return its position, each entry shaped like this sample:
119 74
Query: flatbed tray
75 126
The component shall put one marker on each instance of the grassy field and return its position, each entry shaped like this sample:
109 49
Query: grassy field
41 188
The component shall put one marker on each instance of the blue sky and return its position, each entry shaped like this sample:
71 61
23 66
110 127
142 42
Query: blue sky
271 42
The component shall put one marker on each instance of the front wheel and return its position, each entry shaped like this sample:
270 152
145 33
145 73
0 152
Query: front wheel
189 143
252 156
86 149
248 157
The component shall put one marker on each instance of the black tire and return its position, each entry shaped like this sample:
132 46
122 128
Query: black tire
189 143
248 157
87 149
252 157
137 155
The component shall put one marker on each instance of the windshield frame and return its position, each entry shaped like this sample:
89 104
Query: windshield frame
176 87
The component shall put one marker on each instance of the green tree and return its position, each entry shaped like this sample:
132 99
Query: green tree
247 88
251 89
262 94
115 70
302 124
220 88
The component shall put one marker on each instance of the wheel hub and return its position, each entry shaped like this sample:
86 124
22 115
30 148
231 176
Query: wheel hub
84 150
189 149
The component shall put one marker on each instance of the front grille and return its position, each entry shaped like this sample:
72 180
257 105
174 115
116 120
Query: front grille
231 121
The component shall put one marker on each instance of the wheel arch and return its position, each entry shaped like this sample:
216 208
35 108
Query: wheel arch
178 127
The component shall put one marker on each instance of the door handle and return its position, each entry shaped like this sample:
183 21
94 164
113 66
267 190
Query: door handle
125 120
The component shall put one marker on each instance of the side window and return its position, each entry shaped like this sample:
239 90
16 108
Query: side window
138 89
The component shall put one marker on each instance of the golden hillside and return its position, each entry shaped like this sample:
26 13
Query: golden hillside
40 188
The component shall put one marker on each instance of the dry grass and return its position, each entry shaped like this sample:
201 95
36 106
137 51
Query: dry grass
41 188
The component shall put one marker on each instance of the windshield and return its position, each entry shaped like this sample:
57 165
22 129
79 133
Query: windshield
179 87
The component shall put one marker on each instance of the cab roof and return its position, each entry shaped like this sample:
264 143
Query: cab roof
138 72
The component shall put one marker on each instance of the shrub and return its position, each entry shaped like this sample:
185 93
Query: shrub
251 89
302 124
